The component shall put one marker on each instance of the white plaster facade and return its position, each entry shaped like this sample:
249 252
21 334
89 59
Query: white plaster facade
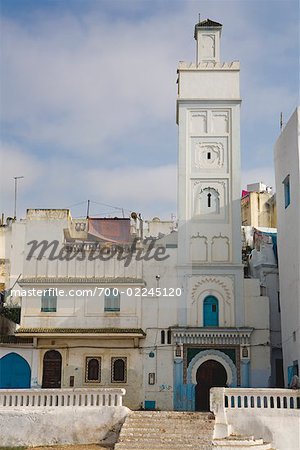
159 335
287 176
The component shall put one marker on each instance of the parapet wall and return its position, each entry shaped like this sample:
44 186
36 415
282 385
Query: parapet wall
33 417
58 425
271 414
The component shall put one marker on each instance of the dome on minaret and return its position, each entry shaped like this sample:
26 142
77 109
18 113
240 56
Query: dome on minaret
207 23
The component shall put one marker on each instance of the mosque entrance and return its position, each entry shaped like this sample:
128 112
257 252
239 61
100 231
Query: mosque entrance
210 374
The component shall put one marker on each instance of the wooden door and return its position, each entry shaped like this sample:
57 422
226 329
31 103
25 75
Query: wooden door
210 374
52 369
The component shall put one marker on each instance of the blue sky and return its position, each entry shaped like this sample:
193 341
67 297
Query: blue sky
88 94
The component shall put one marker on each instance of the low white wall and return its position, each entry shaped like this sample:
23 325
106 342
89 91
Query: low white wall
58 425
280 427
271 414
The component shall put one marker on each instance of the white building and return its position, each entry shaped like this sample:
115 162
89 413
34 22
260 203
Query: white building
260 246
179 324
287 168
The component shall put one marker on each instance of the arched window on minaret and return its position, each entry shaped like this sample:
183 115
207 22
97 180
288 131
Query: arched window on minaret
207 202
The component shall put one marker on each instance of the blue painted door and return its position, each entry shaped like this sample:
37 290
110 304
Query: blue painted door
15 372
210 312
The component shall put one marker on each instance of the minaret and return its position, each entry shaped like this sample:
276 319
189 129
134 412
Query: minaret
208 117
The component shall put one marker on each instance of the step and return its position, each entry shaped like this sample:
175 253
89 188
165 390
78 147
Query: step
185 423
240 443
139 434
165 438
171 414
161 426
172 446
166 430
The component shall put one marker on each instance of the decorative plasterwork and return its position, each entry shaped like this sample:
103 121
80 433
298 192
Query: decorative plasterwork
215 355
199 247
209 155
197 236
209 44
206 184
212 336
234 65
220 248
198 122
223 125
223 283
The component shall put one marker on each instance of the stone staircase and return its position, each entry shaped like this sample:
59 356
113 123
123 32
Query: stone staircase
170 430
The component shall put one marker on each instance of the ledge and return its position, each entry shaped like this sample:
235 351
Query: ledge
102 332
215 335
82 280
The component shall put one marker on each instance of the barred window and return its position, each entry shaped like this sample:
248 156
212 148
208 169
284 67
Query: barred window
92 370
49 301
111 299
119 370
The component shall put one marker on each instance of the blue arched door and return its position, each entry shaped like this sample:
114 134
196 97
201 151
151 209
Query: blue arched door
15 372
211 312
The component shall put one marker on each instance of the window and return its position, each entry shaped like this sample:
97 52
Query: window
49 301
211 312
169 336
92 370
207 201
287 194
111 299
118 370
162 336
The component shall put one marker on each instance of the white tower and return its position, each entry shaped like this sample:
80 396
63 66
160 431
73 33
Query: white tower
211 328
208 116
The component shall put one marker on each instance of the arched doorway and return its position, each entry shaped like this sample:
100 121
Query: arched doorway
15 372
210 311
210 374
52 369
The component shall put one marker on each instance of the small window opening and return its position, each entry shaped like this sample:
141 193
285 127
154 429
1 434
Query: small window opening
208 155
209 200
169 337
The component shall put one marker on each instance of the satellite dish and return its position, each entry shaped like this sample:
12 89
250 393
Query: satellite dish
133 215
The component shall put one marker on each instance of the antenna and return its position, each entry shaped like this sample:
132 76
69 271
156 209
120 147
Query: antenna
88 209
16 185
199 15
281 121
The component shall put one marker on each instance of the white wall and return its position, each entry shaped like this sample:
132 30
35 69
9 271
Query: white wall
287 162
52 426
257 316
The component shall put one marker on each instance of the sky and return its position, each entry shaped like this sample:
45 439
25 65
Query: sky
88 97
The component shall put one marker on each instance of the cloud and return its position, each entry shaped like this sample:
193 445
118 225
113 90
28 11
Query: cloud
47 184
89 97
264 174
140 188
81 86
